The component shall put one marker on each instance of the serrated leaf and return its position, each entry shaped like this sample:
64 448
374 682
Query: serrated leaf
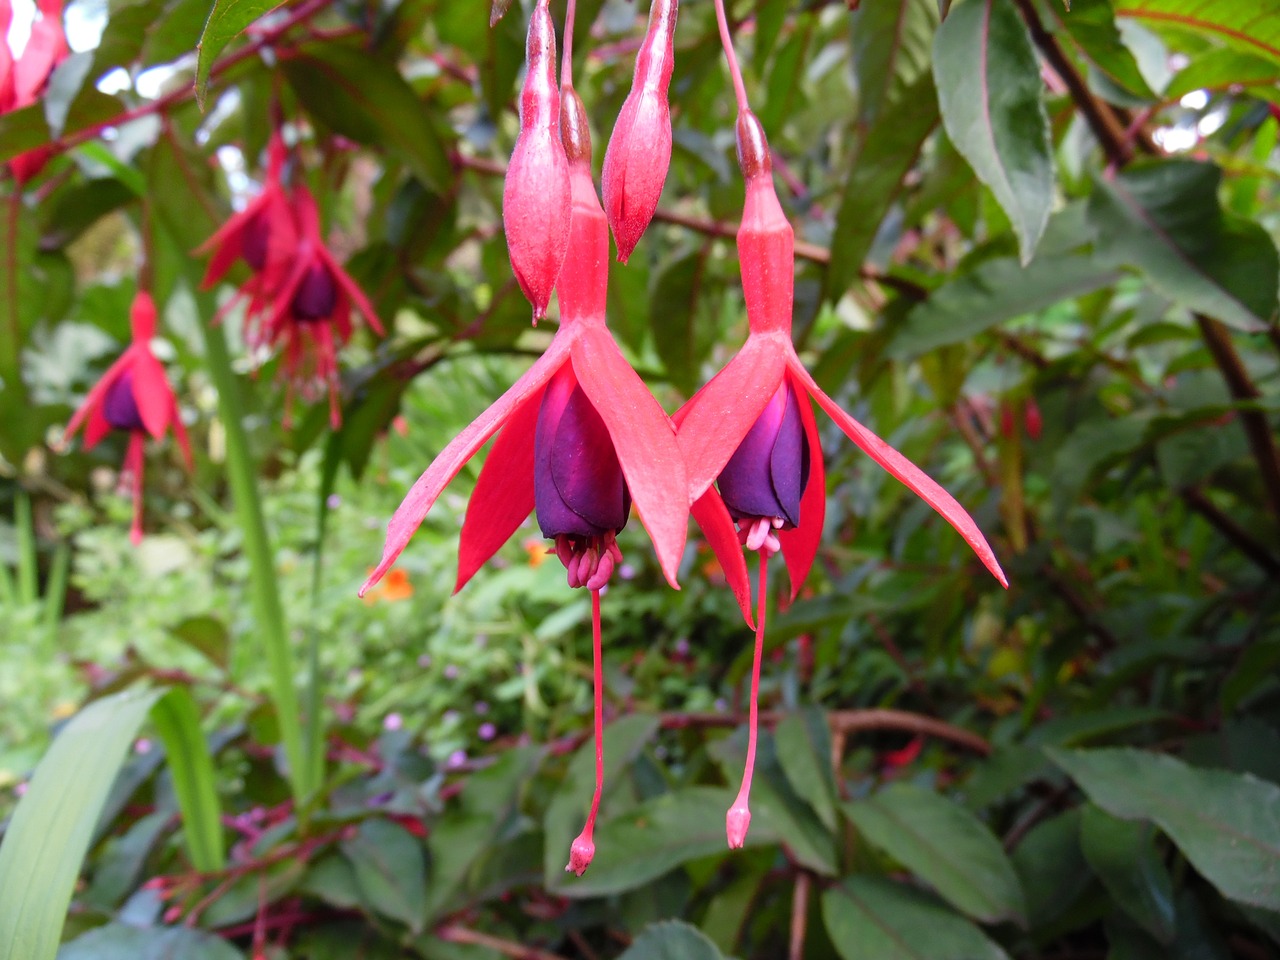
672 940
990 94
946 846
1226 824
1123 854
366 99
1164 219
1253 27
870 917
50 831
227 20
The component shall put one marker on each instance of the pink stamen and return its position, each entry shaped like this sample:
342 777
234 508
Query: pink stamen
583 849
133 461
738 819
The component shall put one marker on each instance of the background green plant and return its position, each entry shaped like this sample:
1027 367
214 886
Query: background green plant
1036 253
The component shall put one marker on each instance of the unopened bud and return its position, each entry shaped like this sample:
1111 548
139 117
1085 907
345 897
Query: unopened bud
639 152
753 147
574 131
535 196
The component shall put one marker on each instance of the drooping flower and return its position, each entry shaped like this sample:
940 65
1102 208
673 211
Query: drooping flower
262 235
741 430
579 437
308 317
133 397
24 79
536 192
639 152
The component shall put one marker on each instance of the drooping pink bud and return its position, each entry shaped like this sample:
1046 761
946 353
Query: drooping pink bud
639 152
535 196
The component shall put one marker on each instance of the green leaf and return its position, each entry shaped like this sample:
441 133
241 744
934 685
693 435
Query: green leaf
177 721
1051 868
672 940
1252 27
803 742
1090 26
366 99
206 635
49 834
995 291
946 846
990 93
642 844
1221 67
1224 823
22 130
391 871
1164 219
227 20
870 917
674 293
119 941
1124 856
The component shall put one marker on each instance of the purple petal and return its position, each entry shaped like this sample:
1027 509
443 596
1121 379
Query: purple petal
316 294
120 407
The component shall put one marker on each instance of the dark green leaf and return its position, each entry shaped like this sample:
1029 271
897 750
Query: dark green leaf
1164 219
803 743
1090 27
207 635
1124 856
990 92
390 870
366 99
672 941
946 846
1051 868
227 19
673 315
870 917
1224 823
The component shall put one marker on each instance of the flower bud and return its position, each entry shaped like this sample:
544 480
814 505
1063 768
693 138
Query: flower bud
535 196
639 152
766 475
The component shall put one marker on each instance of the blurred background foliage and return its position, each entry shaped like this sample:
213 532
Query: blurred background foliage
1036 252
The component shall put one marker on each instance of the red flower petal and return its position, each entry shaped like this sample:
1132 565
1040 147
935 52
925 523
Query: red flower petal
722 537
151 391
503 497
423 494
800 544
644 439
905 471
715 420
97 428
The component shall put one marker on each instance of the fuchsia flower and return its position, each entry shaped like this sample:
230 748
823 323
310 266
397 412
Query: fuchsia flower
752 430
639 153
22 81
536 193
579 437
309 315
133 397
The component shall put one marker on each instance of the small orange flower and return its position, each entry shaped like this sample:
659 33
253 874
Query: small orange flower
394 586
538 551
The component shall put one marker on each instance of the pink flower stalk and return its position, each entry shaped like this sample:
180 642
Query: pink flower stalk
639 153
741 427
133 397
536 193
22 81
308 317
579 437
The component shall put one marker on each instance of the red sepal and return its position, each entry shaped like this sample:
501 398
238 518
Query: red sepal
800 544
717 526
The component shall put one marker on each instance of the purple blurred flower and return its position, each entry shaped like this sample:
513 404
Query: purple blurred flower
487 731
481 708
451 672
393 721
456 759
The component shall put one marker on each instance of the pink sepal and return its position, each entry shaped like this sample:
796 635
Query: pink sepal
722 537
800 544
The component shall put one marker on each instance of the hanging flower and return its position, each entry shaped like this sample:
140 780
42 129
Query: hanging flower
308 316
579 437
133 397
639 153
23 80
262 235
752 430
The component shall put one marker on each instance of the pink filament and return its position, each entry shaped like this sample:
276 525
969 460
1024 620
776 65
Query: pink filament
738 819
583 849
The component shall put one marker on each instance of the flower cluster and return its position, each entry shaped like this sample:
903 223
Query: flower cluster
298 299
579 438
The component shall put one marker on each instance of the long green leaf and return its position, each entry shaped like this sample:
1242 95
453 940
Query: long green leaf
991 96
177 721
227 20
49 834
1124 856
1253 26
1226 824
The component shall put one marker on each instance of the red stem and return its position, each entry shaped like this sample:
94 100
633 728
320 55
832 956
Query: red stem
597 683
566 59
739 90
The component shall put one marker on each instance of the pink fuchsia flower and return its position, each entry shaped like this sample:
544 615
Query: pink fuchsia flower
639 153
262 235
579 437
307 314
536 193
741 428
133 397
23 80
